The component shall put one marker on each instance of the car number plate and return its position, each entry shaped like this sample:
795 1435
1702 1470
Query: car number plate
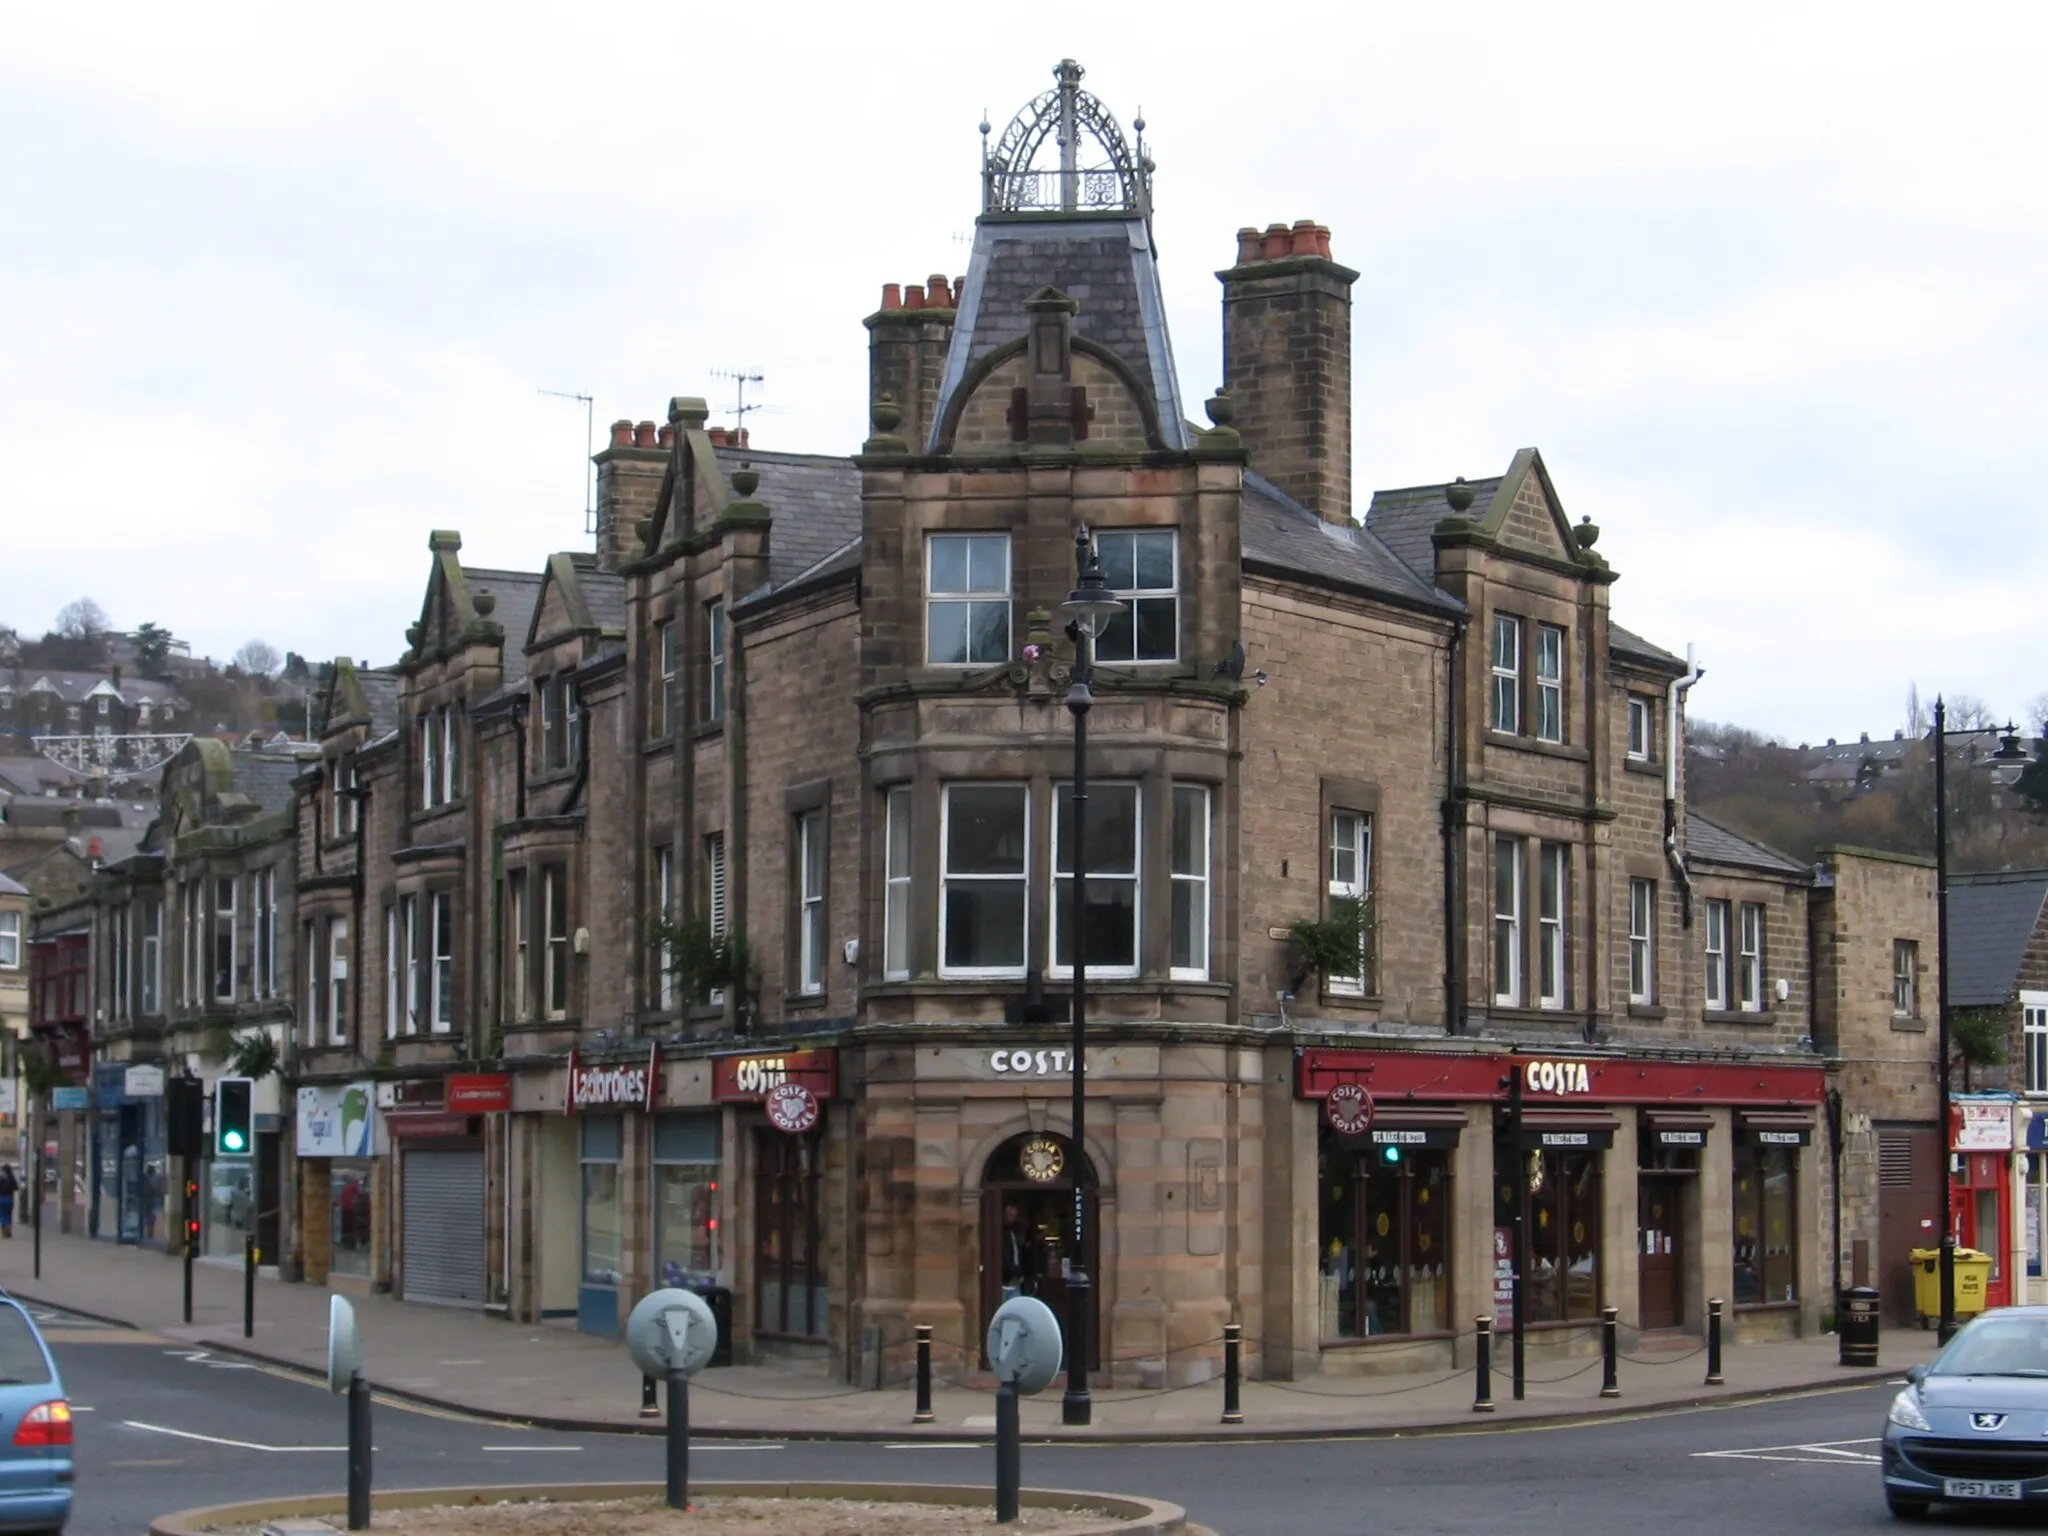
1978 1488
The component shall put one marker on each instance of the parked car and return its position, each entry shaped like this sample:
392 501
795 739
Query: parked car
35 1429
1972 1426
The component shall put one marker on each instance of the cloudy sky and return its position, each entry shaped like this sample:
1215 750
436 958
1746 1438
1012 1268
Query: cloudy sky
278 290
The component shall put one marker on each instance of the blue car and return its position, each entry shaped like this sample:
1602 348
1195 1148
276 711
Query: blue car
1972 1427
35 1429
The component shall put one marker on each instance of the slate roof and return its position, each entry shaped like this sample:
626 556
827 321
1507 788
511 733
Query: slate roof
266 778
1629 643
517 592
76 687
11 887
1709 840
1991 918
380 693
1278 531
1404 519
814 500
32 775
605 592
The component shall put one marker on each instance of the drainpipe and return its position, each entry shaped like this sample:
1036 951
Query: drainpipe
1453 820
1674 747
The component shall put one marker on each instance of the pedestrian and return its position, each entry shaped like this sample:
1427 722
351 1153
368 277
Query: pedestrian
9 1185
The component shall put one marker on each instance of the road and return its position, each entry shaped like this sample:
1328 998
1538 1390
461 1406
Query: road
162 1427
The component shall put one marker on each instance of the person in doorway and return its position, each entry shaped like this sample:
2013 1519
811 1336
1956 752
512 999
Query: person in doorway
9 1187
1020 1267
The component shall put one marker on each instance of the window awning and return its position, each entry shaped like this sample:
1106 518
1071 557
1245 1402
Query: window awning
1776 1127
1589 1129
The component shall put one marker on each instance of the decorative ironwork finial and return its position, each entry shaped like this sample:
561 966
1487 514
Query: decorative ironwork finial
1066 115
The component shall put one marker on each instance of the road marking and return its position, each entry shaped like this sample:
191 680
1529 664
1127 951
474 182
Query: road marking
532 1447
205 1357
931 1445
1814 1453
238 1445
719 1445
987 1421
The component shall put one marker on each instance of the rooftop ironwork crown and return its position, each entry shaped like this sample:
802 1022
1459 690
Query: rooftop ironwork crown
1013 182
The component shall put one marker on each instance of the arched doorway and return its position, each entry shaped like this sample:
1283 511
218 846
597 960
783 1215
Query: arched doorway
1027 1229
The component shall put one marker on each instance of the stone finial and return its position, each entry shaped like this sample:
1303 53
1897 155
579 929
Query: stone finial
412 635
644 527
485 604
745 481
887 414
1586 535
1459 495
687 411
1220 408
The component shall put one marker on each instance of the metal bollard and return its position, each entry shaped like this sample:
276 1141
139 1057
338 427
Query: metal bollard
1714 1377
649 1407
678 1440
358 1453
1009 1458
923 1415
1233 1410
251 1257
1482 1390
1610 1384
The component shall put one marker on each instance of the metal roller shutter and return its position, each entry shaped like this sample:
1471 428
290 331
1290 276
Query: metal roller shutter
444 1227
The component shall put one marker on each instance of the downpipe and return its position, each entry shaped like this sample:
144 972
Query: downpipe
1674 748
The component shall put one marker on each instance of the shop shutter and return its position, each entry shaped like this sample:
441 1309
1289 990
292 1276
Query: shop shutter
444 1227
1894 1160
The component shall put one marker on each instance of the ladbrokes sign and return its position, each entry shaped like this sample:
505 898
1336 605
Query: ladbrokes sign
615 1084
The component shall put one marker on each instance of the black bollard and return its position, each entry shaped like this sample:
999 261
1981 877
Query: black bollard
923 1415
1714 1377
39 1215
358 1453
1009 1472
650 1408
1233 1409
1482 1359
1610 1382
191 1247
678 1440
251 1257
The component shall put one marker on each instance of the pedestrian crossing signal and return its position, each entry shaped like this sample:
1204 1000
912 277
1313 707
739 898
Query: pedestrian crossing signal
233 1116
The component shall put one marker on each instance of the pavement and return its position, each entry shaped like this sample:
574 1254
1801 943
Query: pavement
545 1375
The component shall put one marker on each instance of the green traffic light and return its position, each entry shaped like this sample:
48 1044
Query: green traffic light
1393 1154
233 1141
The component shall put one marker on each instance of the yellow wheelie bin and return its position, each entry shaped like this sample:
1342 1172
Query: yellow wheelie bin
1973 1281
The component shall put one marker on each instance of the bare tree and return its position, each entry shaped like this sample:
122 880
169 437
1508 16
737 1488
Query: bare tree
258 658
2037 714
1967 712
81 619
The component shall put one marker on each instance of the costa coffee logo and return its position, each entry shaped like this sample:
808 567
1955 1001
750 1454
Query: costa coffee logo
760 1074
614 1085
1557 1077
791 1107
1348 1109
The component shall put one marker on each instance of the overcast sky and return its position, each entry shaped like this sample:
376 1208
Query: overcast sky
277 289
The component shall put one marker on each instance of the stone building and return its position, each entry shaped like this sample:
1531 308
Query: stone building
14 933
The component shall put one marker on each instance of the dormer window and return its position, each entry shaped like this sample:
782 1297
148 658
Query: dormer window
561 723
341 801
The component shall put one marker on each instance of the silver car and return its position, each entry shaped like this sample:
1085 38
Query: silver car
1972 1427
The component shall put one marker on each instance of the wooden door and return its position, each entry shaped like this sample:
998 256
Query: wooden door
1660 1253
1908 1210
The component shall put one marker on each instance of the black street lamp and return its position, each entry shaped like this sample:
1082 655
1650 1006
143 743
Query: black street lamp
1087 610
2008 752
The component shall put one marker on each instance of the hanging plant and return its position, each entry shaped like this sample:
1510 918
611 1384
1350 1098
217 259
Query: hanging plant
1340 944
700 961
1978 1038
254 1056
39 1072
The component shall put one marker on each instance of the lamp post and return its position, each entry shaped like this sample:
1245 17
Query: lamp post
1088 608
2008 752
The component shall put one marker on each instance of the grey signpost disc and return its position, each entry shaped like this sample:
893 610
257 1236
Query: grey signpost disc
344 1344
1024 1344
671 1327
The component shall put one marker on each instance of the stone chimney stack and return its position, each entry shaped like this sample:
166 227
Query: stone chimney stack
629 471
907 341
1287 362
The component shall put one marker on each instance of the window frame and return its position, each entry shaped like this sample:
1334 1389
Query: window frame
898 886
1508 989
393 998
335 931
117 956
811 884
970 597
1642 744
1549 719
316 986
664 679
451 754
1506 700
1642 945
714 661
226 917
555 952
1553 987
520 922
152 1000
1132 596
430 778
10 941
1358 885
1905 978
1752 920
947 878
662 897
441 962
1760 1161
1056 930
1720 974
1194 879
2034 1041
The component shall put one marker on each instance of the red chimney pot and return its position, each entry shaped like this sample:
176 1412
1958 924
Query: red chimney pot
1279 242
913 296
938 293
643 435
622 434
892 296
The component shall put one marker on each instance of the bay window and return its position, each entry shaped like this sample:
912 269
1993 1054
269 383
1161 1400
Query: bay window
337 980
1109 906
516 917
441 1018
967 599
1142 568
984 840
1189 937
555 959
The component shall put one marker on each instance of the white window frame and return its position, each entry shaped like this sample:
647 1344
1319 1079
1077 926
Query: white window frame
1350 834
10 941
451 753
946 878
316 996
714 894
430 777
664 907
1905 979
393 999
1508 988
714 660
224 989
522 946
1505 705
341 804
441 978
554 886
810 890
549 691
117 954
1720 974
153 957
1550 667
1750 972
1553 881
2034 1039
1133 595
1641 732
897 852
969 597
1189 961
1642 940
665 678
1133 877
337 980
410 938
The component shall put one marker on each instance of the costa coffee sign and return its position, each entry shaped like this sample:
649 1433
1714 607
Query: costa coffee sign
1443 1076
791 1107
752 1077
1556 1077
1348 1109
615 1085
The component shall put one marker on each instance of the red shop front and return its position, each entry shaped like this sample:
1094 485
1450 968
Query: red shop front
1980 1191
792 1296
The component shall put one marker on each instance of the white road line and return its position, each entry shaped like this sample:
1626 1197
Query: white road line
238 1445
1815 1453
717 1445
530 1447
931 1445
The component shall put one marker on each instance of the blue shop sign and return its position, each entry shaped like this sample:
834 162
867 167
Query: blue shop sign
70 1098
2037 1133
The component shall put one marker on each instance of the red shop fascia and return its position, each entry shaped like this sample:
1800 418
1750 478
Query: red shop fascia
1394 1078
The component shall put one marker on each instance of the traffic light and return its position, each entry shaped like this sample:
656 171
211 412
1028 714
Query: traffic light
191 1216
185 1117
233 1117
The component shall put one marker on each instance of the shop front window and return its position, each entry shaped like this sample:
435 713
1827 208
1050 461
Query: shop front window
230 1207
349 1212
1765 1181
603 1234
1385 1240
1563 1189
686 1154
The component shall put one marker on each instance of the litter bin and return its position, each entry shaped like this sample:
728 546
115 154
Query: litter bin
719 1299
1856 1326
1973 1280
